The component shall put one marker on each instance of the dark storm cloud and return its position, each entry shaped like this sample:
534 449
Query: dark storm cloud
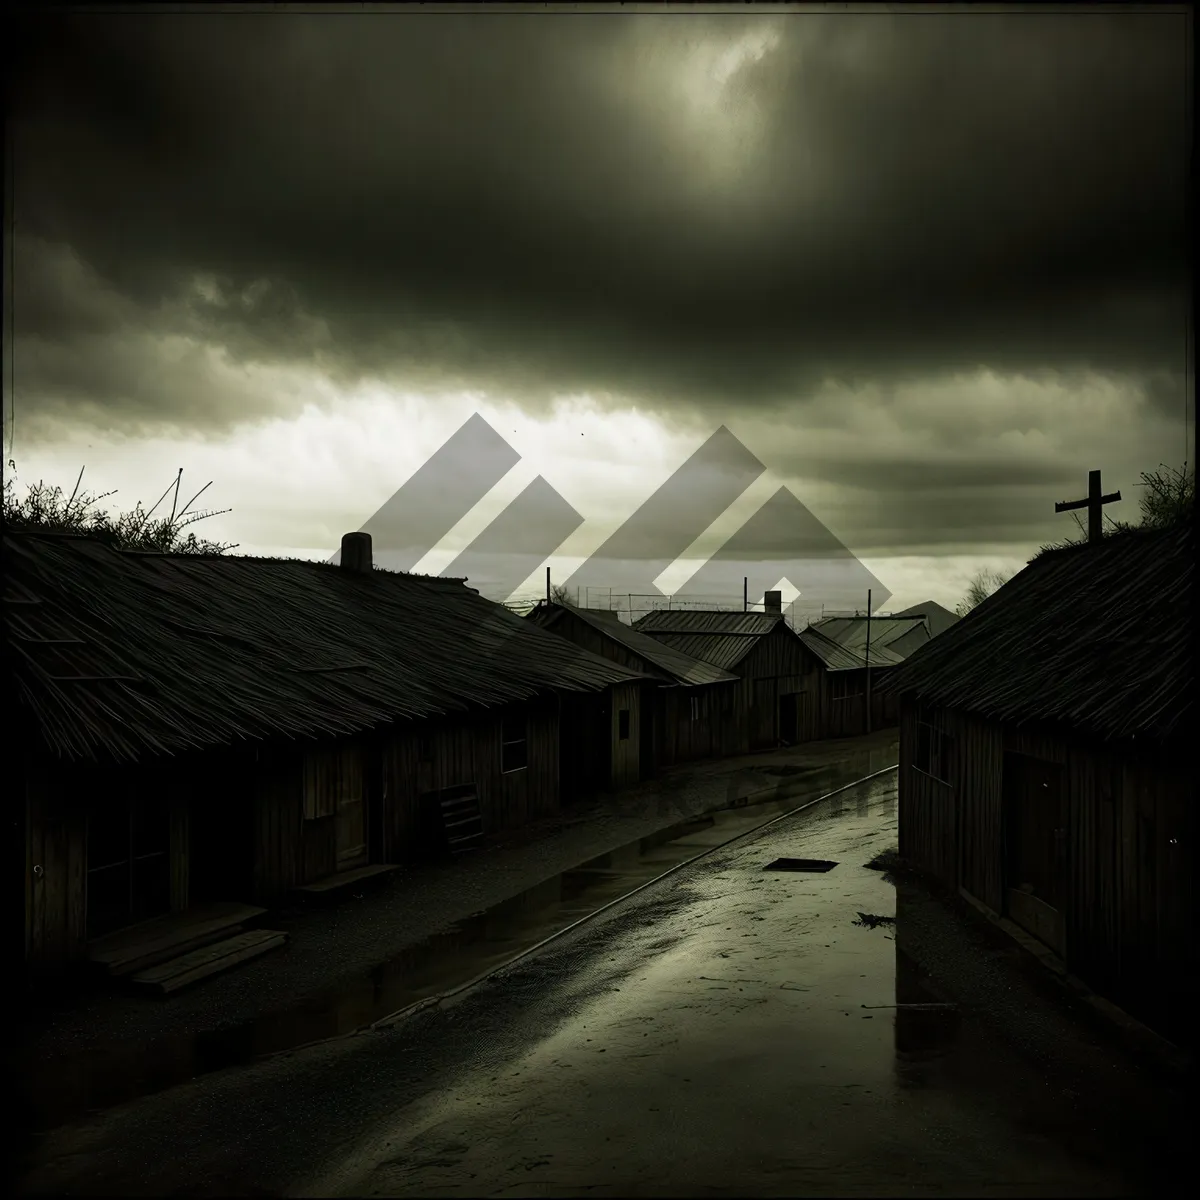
539 203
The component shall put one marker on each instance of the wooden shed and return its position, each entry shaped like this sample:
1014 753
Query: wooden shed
777 698
692 711
204 728
856 655
1043 769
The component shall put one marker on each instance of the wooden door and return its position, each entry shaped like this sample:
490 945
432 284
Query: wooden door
648 755
351 814
789 713
763 715
1035 847
128 861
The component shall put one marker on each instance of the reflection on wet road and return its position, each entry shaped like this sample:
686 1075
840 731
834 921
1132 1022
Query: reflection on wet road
747 1046
69 1086
729 1030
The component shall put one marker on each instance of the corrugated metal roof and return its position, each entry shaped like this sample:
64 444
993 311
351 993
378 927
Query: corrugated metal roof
695 620
720 638
144 653
678 666
851 634
841 658
1097 636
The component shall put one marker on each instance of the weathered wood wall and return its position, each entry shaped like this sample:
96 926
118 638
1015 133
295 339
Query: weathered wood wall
626 761
779 663
56 842
57 799
1129 861
844 698
700 722
585 748
678 737
431 756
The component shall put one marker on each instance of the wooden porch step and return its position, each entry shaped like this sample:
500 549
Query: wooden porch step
331 885
210 960
151 942
462 819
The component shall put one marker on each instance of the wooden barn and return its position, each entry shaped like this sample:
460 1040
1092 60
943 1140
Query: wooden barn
219 731
692 713
777 698
855 656
1043 768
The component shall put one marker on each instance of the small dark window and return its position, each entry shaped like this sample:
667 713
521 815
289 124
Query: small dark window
514 748
923 758
934 752
425 749
623 725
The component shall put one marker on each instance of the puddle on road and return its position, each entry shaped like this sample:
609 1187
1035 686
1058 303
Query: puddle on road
60 1090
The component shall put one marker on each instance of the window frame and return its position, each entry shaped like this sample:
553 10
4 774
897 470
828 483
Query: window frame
623 722
933 755
513 746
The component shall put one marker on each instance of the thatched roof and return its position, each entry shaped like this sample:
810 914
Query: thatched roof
1095 636
128 654
673 664
717 637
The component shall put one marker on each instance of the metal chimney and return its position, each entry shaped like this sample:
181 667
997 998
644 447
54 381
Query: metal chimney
356 553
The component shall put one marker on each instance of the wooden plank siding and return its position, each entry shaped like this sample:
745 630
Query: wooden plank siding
57 799
626 762
253 823
430 756
1128 863
778 664
677 737
844 701
699 722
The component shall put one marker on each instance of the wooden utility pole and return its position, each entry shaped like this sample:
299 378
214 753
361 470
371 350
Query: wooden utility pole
867 661
1094 504
745 591
547 585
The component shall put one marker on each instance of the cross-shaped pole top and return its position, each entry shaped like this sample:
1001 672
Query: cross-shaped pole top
1094 504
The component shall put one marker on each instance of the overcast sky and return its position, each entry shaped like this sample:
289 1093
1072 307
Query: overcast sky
929 268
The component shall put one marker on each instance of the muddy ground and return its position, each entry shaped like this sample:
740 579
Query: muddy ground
727 1030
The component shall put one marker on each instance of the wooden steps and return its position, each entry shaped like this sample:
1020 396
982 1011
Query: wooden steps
190 968
163 938
462 818
332 886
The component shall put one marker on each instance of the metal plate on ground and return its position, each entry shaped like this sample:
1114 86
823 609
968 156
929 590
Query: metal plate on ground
811 865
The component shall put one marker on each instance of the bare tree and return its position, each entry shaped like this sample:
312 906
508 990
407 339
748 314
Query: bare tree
1169 498
47 508
984 582
560 595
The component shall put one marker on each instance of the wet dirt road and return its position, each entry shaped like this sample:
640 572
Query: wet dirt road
729 1030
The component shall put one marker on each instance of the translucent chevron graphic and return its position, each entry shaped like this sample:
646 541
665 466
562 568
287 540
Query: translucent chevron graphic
781 542
438 496
784 541
666 524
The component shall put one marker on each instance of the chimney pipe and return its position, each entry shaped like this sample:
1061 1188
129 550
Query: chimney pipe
356 553
773 603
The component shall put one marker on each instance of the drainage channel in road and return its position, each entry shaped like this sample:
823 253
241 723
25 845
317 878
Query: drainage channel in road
60 1090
